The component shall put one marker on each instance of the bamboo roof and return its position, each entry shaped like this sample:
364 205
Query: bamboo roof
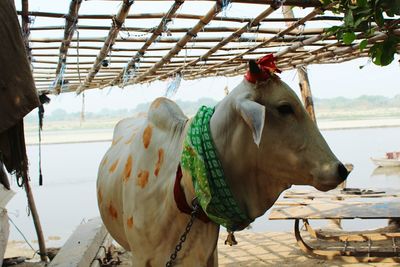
132 42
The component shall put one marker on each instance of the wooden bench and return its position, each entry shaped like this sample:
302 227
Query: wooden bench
381 245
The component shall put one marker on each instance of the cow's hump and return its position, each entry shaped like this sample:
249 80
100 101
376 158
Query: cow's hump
165 114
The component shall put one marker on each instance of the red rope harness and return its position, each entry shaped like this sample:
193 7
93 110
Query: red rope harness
180 198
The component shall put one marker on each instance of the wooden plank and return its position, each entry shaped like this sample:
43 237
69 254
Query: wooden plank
340 194
338 210
82 247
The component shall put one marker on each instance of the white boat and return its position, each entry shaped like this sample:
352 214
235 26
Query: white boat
387 171
392 159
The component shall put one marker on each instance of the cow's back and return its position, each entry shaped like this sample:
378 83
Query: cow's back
136 159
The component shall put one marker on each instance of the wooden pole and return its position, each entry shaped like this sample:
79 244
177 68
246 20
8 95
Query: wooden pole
25 27
304 82
29 195
70 22
307 98
36 220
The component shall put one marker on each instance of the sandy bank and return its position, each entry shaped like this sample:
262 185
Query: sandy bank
266 249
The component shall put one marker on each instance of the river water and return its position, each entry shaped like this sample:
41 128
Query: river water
68 196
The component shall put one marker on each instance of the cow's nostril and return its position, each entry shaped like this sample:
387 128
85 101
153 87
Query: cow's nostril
343 173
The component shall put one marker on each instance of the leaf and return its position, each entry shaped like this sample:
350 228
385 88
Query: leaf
359 21
375 53
361 3
388 50
348 18
379 17
325 2
348 37
363 44
333 29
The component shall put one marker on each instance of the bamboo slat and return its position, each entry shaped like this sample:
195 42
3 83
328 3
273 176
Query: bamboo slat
183 30
300 3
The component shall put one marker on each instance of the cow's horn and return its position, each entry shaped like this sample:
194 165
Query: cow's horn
253 67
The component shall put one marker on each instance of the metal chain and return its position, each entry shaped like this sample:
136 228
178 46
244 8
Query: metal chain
182 239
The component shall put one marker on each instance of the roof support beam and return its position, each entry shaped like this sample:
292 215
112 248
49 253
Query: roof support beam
70 22
117 23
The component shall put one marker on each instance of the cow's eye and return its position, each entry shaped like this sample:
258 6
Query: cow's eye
285 109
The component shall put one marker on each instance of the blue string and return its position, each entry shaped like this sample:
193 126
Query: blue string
59 80
173 86
128 74
224 6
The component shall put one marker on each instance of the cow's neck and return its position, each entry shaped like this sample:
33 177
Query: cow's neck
239 157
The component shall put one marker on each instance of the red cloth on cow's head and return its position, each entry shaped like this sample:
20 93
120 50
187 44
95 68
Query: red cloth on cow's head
267 68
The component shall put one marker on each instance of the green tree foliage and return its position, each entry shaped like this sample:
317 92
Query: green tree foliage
365 16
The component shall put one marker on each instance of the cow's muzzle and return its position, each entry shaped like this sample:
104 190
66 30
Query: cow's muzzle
343 172
331 177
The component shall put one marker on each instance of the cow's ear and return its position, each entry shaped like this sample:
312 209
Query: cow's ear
253 67
253 114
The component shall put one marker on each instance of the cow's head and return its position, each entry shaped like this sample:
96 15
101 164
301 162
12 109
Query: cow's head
267 140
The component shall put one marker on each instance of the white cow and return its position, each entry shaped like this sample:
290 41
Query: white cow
264 140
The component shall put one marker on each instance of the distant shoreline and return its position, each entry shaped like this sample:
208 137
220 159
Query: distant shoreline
92 135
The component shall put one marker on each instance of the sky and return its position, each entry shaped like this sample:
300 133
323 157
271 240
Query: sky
327 81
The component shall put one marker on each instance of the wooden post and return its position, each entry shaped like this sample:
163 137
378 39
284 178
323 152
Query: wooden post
306 96
29 195
305 89
35 218
304 83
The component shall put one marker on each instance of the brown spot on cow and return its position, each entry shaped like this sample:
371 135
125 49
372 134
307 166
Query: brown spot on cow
143 178
160 161
147 133
127 169
131 138
112 211
156 103
113 166
99 196
104 161
116 141
129 222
